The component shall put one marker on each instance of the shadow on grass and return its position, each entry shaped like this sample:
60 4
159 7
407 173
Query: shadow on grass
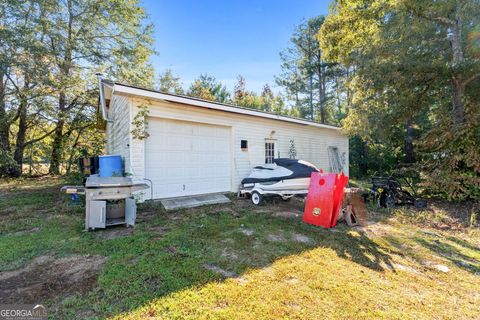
452 253
168 252
193 247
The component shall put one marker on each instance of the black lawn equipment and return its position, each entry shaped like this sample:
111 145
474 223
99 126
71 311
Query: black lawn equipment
388 192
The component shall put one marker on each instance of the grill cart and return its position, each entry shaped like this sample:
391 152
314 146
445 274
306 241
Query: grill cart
108 200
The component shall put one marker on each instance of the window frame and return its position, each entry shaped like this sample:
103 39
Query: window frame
269 151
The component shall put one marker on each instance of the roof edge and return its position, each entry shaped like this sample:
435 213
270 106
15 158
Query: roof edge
194 101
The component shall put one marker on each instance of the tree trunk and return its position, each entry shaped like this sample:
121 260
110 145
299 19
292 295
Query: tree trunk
349 92
458 109
458 86
409 154
72 152
22 126
22 131
363 165
321 85
65 66
57 143
312 112
4 121
323 97
337 95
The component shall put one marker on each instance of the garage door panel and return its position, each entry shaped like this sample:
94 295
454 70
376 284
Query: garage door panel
185 158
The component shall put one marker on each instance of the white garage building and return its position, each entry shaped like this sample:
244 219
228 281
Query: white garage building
198 147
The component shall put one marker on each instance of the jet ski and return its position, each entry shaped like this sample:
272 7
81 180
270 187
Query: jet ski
284 177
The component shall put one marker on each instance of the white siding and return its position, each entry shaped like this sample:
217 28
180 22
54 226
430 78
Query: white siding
118 131
311 142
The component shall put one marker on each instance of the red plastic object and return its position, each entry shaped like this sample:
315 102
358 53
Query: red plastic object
340 184
324 198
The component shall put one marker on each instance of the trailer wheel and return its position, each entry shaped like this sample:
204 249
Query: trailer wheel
387 200
420 204
257 198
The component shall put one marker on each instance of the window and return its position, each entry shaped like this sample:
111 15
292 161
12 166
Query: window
269 152
244 145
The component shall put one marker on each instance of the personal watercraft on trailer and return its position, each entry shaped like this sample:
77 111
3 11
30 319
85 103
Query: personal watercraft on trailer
284 177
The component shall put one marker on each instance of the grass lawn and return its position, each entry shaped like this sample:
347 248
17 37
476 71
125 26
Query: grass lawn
236 261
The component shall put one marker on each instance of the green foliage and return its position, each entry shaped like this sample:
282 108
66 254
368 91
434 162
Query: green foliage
412 79
49 53
266 101
168 82
451 161
8 166
140 123
208 88
292 151
309 82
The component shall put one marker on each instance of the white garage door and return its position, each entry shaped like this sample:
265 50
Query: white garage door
187 158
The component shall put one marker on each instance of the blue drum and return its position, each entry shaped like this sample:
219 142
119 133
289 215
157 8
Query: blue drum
110 166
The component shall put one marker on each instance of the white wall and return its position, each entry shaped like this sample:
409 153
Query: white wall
118 131
311 142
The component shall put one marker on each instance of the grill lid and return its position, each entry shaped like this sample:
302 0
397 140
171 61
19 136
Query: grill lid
94 181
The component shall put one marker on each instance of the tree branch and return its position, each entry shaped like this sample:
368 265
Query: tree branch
40 138
467 81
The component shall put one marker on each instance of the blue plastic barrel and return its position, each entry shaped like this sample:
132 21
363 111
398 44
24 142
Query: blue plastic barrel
110 166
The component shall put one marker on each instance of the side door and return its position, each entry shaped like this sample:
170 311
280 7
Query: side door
97 214
130 211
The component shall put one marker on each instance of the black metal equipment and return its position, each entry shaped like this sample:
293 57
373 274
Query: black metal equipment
389 192
88 166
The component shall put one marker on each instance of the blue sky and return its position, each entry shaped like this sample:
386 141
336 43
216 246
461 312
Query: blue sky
226 38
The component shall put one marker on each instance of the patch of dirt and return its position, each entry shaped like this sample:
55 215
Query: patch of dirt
33 230
402 267
242 203
228 241
114 232
275 238
175 216
229 254
287 214
217 269
375 229
292 280
459 212
49 278
246 231
261 211
146 216
161 230
438 267
176 252
444 215
333 230
242 281
301 238
230 211
83 314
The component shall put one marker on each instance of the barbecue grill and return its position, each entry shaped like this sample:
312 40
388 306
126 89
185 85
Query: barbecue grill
109 201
